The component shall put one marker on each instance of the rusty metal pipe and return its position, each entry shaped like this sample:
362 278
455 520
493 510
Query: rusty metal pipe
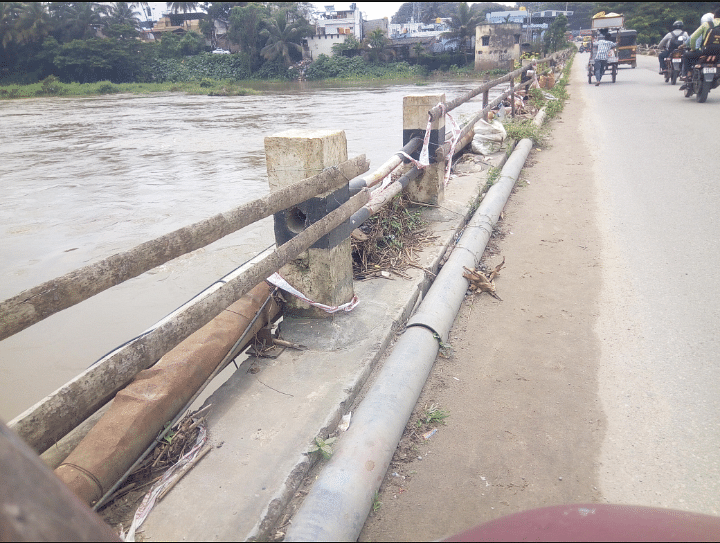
156 395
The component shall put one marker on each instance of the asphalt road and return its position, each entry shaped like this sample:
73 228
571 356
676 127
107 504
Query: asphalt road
657 169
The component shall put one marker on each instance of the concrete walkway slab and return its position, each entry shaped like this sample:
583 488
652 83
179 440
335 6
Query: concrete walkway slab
266 416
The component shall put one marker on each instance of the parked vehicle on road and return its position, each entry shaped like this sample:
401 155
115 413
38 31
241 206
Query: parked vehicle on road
705 75
672 65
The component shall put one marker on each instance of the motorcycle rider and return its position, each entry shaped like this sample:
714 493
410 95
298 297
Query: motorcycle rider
697 38
670 42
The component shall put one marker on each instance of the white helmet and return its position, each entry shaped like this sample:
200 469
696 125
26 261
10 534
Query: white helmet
707 18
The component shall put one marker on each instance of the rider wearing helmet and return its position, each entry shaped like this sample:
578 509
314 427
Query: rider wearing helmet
690 56
671 41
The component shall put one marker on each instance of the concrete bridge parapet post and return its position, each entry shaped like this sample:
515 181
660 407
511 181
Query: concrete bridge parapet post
323 273
429 188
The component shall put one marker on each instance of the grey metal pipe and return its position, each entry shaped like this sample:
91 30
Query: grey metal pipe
386 168
337 506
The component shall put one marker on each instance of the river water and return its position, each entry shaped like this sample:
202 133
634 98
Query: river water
84 178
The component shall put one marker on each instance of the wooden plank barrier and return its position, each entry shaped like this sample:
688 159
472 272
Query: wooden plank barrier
38 303
56 415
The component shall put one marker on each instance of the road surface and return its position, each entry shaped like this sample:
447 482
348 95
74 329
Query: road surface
595 379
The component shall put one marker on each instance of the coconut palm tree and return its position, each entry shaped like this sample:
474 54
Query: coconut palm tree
79 20
182 6
282 37
431 11
463 25
376 48
34 22
122 13
9 16
122 21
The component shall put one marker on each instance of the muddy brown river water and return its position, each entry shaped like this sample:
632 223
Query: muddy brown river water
84 178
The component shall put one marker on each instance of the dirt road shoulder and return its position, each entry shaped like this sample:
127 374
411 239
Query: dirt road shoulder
519 380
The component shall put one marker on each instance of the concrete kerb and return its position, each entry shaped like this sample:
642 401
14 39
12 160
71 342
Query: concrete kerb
337 505
266 416
340 499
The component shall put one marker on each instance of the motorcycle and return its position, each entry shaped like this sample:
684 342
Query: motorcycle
705 75
672 66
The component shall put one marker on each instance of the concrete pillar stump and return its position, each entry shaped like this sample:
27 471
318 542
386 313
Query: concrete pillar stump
324 272
428 188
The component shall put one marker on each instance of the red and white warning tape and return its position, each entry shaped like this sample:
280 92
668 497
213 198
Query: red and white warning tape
424 161
277 280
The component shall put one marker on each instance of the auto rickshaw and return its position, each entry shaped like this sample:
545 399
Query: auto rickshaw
585 46
626 46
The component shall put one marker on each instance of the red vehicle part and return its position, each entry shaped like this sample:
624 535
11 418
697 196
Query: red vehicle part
596 522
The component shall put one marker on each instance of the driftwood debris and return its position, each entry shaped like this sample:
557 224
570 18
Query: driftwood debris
483 282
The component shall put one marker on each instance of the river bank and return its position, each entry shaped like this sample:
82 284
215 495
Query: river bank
51 86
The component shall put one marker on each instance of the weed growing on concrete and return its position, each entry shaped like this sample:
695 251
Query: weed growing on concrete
473 205
323 446
169 435
492 176
445 350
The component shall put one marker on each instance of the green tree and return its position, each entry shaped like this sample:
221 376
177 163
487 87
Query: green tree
123 13
77 20
191 43
169 46
216 11
376 47
283 35
431 11
33 23
554 38
419 50
95 59
122 21
9 17
462 26
349 48
246 23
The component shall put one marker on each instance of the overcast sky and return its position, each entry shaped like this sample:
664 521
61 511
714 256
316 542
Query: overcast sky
373 10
